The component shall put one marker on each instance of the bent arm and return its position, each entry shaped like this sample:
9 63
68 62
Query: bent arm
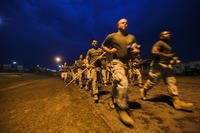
155 51
108 50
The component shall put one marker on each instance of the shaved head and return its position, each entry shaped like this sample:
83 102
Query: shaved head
164 32
121 20
165 35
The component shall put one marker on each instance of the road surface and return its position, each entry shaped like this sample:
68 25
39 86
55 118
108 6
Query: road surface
34 103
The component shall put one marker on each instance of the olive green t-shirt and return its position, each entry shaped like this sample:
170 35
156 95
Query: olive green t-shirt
121 43
163 47
80 63
64 68
93 55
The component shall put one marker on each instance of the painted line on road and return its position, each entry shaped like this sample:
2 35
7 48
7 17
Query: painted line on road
16 86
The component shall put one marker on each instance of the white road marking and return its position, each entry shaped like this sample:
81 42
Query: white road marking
16 86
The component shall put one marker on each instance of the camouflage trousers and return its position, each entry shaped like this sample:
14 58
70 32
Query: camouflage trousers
92 77
64 75
135 72
104 75
73 74
120 83
80 78
162 71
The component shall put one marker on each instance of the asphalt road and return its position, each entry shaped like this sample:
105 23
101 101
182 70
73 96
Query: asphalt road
33 103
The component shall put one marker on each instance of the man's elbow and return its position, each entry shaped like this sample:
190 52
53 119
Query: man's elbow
103 47
155 52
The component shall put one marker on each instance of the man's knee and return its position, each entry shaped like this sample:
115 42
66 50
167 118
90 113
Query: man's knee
171 80
172 88
124 82
150 83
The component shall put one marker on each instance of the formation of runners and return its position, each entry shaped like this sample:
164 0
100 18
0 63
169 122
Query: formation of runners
118 63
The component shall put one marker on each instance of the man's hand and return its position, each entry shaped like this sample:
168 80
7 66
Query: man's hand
113 50
169 55
87 65
108 50
135 51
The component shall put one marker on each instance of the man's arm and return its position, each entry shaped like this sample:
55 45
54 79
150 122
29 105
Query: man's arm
155 51
87 60
107 43
135 48
108 50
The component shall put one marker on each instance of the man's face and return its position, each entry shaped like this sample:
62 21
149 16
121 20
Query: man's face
81 56
94 43
166 35
122 24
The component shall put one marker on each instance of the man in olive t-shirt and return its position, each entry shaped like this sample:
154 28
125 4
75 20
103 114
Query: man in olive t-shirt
91 56
120 44
162 67
80 66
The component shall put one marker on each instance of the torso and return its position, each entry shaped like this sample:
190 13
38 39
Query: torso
93 54
120 42
164 48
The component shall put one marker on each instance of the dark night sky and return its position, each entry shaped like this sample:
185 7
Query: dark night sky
35 31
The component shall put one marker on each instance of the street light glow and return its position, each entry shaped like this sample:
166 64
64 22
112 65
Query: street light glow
14 62
57 59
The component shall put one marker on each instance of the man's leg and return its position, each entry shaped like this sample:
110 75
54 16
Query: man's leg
139 77
94 84
121 82
80 78
173 91
104 76
153 77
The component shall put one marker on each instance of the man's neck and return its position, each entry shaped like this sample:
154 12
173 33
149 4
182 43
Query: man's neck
165 40
95 48
124 33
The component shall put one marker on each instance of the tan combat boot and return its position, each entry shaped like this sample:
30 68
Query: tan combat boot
143 94
81 86
111 103
140 85
178 104
86 88
125 118
96 98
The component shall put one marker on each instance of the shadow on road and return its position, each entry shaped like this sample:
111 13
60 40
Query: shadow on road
162 98
166 99
101 93
134 105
